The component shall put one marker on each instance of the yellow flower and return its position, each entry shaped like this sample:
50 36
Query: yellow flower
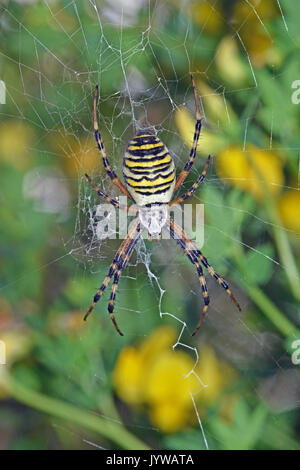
78 156
128 376
155 375
249 12
209 142
229 62
16 143
159 341
168 390
209 17
253 170
217 110
248 18
17 344
14 346
214 373
167 381
289 209
216 107
168 417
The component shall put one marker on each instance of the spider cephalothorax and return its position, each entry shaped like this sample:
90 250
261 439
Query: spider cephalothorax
149 173
154 219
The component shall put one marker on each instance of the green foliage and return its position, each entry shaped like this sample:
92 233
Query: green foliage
245 430
259 264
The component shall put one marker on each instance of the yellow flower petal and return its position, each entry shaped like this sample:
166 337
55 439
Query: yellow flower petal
16 144
160 340
209 17
248 18
167 381
229 63
214 373
248 12
209 142
168 416
217 108
13 347
289 209
128 376
253 170
17 345
134 364
77 156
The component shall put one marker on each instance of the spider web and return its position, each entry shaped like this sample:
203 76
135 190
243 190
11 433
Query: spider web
61 109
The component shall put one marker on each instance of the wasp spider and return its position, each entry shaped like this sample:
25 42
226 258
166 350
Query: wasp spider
149 173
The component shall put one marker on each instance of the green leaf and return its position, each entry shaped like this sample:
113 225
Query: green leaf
244 431
259 263
187 441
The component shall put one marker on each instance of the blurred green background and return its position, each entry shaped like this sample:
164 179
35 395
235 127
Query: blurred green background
69 384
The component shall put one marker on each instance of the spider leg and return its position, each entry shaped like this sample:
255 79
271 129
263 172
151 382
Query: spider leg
193 258
121 266
112 269
108 198
220 280
197 183
101 148
183 240
190 162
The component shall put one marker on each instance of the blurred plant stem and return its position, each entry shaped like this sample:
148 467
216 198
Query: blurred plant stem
279 320
280 437
284 250
107 429
271 311
281 239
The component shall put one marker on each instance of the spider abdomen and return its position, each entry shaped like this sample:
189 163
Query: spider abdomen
149 170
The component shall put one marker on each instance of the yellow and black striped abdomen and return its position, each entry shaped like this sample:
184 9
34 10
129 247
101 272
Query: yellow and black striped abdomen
149 170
